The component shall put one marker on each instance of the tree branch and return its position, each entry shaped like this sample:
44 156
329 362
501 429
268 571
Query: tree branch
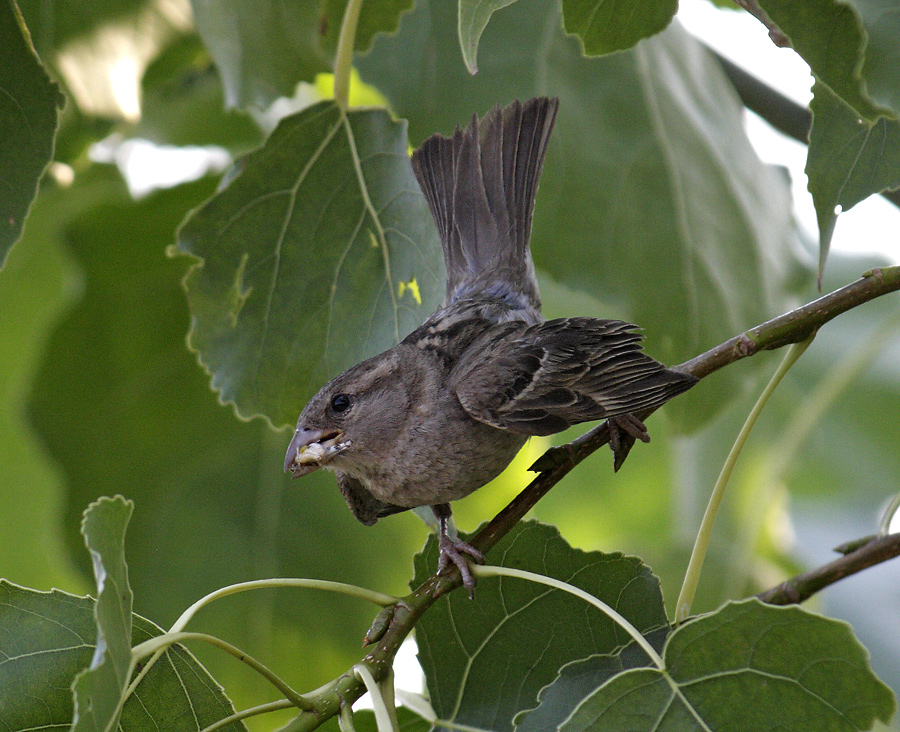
784 114
791 327
395 623
805 585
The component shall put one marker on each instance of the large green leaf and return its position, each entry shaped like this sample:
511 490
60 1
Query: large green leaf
651 197
262 48
99 688
747 666
850 46
374 17
306 259
605 27
579 678
28 118
848 160
47 638
484 661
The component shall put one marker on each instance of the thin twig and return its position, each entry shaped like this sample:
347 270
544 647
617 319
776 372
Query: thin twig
805 585
775 33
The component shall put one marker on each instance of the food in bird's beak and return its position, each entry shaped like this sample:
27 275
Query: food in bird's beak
311 449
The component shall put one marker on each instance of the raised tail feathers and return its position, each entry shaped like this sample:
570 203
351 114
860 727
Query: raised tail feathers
480 185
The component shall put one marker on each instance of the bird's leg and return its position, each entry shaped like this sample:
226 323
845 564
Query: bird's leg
624 429
452 550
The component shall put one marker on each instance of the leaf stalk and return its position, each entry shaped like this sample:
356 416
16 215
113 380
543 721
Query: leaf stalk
343 61
701 544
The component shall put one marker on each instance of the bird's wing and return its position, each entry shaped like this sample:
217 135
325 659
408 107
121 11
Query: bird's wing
363 504
541 379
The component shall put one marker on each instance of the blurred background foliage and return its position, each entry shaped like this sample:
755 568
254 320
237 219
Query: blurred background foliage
653 208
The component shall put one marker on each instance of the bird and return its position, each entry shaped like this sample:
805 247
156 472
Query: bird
444 411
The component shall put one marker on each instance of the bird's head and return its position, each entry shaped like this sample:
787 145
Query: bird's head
351 420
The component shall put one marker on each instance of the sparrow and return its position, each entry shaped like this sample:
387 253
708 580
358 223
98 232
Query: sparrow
444 411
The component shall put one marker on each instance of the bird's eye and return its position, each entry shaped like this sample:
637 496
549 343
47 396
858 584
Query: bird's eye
340 402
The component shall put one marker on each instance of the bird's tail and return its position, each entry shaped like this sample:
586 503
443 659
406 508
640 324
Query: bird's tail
480 185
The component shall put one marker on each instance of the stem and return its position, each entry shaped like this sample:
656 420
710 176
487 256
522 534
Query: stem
251 712
345 719
162 642
378 598
383 720
884 526
701 545
343 60
493 571
361 592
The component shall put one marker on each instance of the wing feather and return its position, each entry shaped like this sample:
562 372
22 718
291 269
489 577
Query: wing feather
543 378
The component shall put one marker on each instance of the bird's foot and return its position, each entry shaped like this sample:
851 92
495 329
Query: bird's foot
624 431
451 552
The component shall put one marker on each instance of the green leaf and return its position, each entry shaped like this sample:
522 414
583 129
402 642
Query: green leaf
848 160
364 721
881 21
306 259
374 17
606 27
47 638
99 688
579 678
473 19
183 103
801 671
28 118
652 198
485 661
264 48
848 46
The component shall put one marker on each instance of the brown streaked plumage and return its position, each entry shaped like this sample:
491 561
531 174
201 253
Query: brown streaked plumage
443 412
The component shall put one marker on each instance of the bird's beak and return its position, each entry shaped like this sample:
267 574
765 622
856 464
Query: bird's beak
311 449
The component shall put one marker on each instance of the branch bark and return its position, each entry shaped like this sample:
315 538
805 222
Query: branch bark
805 585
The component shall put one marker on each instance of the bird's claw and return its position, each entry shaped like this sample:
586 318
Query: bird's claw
451 552
624 431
